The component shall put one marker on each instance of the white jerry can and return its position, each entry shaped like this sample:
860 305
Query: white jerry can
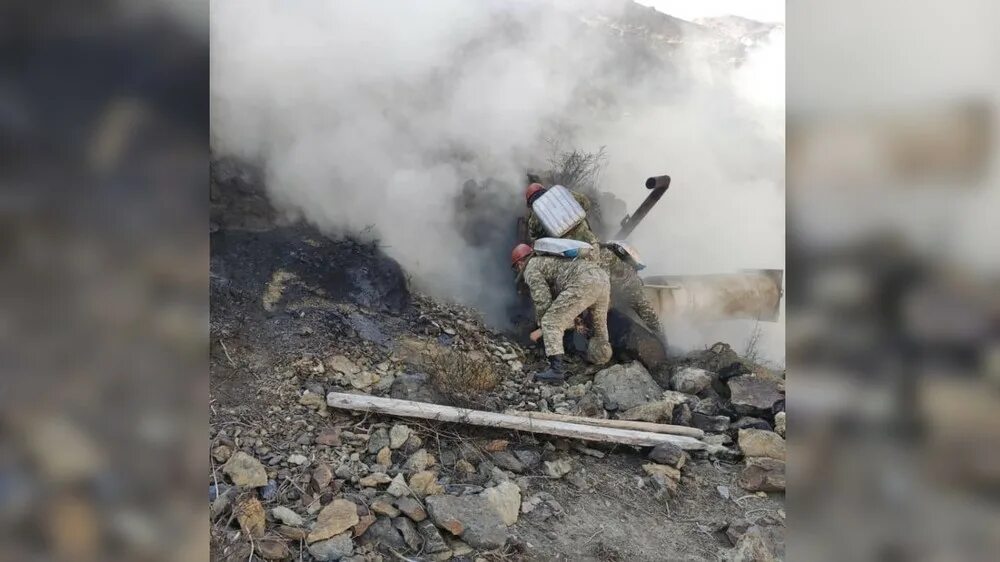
558 210
563 247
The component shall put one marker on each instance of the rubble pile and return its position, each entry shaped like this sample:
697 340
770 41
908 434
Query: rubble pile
349 487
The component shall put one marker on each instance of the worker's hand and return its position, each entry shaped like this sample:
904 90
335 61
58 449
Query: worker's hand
581 327
536 335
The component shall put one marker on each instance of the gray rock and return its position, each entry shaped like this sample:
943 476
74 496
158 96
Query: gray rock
667 453
346 471
664 488
507 461
679 397
433 541
470 517
409 531
682 415
779 423
691 380
414 386
417 462
412 445
715 359
343 365
499 475
591 406
763 474
718 439
223 502
710 423
448 457
398 486
506 500
398 435
736 529
749 422
759 544
541 506
382 532
378 440
269 491
411 508
558 468
753 395
287 516
725 454
529 505
578 480
655 412
708 406
245 470
759 443
622 387
335 548
528 457
385 383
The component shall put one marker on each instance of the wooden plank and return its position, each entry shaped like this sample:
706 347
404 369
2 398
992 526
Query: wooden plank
407 408
620 424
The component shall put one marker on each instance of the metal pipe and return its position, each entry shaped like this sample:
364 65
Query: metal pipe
659 186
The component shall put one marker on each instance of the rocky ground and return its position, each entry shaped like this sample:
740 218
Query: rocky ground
296 315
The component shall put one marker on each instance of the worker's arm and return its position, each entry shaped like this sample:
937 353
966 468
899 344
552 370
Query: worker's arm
582 200
541 295
535 228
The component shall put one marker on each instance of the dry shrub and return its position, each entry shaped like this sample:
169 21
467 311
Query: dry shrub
576 169
461 377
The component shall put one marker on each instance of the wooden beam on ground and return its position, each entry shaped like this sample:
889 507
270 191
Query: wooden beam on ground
423 410
620 424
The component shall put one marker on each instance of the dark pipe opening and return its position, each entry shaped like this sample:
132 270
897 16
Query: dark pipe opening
658 181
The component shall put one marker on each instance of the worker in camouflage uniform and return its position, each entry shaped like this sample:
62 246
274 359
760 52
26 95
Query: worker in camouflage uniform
579 232
577 285
627 288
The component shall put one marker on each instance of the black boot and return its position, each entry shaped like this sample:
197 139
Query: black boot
556 373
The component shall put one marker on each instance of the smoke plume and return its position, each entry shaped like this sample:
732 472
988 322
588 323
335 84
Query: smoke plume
372 116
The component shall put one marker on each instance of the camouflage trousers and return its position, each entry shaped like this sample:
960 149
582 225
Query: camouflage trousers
628 291
591 292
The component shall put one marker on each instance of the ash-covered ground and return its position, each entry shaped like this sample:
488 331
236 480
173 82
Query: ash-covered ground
296 315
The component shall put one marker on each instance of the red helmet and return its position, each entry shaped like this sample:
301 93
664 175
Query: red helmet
519 252
532 190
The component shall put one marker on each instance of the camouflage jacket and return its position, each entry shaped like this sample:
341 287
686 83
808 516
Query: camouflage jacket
579 232
627 288
547 276
617 268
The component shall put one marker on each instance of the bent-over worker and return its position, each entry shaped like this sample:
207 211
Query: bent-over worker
561 289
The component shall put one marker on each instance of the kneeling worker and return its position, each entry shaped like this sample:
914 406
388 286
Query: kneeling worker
578 285
626 289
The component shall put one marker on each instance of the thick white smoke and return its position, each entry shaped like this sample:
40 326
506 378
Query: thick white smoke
376 113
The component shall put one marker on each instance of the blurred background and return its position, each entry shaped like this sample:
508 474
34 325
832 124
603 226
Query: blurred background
104 259
893 253
893 345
